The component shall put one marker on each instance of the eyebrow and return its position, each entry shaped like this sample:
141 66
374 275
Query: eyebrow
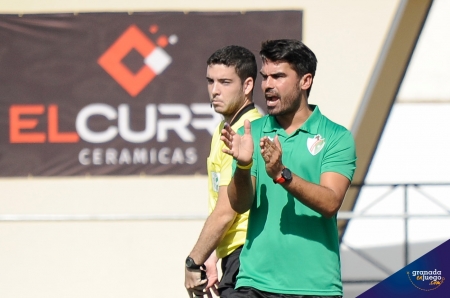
280 73
220 79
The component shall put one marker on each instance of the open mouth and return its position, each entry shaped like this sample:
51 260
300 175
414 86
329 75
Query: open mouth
272 100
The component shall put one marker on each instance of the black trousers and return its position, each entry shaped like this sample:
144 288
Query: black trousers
230 269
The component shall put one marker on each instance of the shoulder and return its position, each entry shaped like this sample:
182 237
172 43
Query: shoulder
250 115
218 129
259 122
333 128
256 124
336 137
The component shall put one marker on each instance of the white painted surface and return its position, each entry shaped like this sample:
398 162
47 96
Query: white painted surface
429 71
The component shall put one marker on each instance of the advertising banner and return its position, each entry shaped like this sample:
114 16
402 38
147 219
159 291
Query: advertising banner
117 93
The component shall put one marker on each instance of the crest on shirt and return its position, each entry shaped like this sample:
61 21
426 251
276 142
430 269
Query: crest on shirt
315 144
215 177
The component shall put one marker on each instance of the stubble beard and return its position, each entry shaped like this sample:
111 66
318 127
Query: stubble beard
288 105
230 110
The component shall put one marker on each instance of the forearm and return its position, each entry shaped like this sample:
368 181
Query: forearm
212 260
241 191
321 198
212 233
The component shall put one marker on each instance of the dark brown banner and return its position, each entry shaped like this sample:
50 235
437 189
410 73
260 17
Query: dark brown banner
117 94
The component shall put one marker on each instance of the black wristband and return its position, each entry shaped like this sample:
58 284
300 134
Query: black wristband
190 263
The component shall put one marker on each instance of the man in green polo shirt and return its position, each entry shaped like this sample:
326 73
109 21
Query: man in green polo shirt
292 169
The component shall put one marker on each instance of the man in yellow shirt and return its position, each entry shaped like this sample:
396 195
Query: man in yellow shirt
231 75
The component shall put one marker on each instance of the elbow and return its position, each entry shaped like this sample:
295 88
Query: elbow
239 202
236 207
222 218
329 214
332 207
330 211
228 218
240 210
234 202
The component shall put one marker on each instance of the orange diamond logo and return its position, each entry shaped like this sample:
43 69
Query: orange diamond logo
154 62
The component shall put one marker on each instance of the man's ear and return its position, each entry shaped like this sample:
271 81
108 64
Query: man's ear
306 81
248 85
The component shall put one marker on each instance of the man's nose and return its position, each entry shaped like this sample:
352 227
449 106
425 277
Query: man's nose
267 83
215 90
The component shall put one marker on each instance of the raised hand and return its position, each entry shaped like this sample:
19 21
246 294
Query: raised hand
240 147
271 153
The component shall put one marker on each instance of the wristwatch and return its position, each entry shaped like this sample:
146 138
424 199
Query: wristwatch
190 263
286 175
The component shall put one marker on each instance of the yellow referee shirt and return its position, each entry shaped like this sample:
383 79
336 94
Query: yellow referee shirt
219 174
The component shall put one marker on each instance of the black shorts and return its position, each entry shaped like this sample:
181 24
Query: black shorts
247 292
230 269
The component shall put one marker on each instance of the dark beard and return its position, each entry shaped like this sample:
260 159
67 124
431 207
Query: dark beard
289 111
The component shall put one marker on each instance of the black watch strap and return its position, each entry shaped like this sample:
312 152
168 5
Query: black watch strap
190 263
286 176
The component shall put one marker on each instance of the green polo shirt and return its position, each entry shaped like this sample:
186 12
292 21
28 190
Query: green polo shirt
290 248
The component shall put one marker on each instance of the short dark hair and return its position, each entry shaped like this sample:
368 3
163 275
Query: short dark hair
241 58
298 55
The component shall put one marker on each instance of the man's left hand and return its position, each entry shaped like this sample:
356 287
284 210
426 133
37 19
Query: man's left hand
194 282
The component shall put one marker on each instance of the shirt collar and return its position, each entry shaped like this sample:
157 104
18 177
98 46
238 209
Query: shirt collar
247 108
311 124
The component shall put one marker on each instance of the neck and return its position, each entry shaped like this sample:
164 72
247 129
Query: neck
292 122
229 119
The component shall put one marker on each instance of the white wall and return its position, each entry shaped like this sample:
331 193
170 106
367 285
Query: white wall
98 258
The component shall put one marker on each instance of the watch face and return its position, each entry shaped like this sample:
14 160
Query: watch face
191 264
286 174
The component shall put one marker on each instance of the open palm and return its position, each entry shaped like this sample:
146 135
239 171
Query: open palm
240 147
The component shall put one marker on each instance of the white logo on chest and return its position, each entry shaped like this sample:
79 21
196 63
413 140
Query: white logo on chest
315 144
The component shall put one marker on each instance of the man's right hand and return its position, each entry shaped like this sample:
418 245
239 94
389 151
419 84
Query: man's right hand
212 275
240 147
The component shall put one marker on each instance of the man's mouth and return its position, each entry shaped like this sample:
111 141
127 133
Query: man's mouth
271 100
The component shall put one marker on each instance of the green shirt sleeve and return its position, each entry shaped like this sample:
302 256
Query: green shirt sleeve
341 155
